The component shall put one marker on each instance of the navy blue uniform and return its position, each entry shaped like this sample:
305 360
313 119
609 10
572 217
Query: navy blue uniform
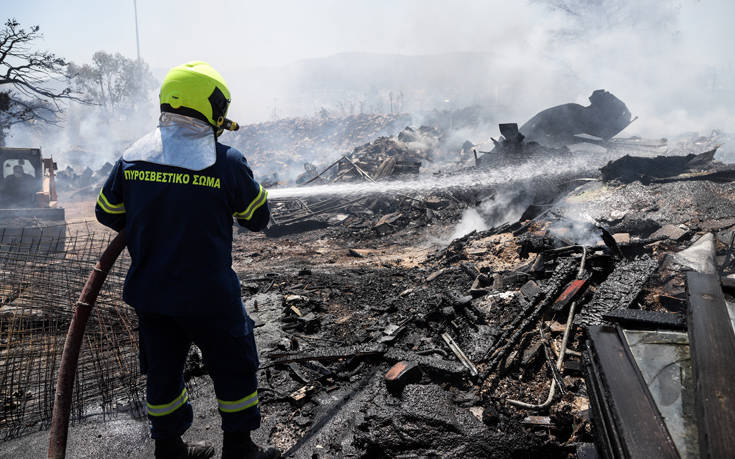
178 226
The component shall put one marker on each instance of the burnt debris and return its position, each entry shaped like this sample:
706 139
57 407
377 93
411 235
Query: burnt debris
574 326
631 168
604 118
509 332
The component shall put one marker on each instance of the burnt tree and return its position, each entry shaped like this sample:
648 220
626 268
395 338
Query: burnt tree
33 83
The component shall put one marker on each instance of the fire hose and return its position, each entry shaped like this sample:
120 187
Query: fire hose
72 345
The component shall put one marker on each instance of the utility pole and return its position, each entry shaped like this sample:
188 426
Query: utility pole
137 39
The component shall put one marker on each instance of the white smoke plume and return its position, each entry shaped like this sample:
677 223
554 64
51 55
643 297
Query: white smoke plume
668 60
471 221
86 136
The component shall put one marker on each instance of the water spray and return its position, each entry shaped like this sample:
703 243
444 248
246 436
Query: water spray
553 166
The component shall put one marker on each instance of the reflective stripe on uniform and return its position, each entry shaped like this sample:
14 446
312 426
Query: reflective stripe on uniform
109 208
168 408
259 200
238 405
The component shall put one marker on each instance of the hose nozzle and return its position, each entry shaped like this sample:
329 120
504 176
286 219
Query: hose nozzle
230 125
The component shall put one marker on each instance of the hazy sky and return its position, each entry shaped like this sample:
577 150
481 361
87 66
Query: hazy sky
238 34
660 59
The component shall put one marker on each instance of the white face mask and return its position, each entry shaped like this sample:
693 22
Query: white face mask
178 141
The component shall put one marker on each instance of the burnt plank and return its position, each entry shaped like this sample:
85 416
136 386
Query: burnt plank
712 344
569 294
639 319
638 429
333 353
619 290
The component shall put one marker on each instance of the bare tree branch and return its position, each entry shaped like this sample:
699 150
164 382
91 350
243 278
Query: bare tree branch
35 81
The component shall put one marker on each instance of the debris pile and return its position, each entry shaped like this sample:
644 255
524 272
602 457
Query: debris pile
286 144
367 216
390 156
369 211
486 347
385 157
513 148
74 185
550 131
579 326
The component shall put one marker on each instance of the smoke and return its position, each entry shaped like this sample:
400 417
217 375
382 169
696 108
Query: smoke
507 205
726 152
471 221
577 229
87 136
670 61
654 55
666 59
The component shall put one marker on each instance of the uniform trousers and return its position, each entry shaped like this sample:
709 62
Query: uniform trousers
229 354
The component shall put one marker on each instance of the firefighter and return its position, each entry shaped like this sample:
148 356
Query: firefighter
175 192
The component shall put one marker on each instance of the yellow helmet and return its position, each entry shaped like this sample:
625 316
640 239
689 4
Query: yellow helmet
197 90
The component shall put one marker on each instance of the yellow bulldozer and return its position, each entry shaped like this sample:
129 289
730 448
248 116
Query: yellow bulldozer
30 217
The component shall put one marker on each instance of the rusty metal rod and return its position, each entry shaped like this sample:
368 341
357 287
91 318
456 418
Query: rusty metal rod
72 345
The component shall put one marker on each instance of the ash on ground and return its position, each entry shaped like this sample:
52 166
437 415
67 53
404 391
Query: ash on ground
381 338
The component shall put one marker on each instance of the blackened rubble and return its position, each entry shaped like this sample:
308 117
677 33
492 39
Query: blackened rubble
384 157
549 132
373 213
339 305
76 185
494 294
563 124
631 168
514 148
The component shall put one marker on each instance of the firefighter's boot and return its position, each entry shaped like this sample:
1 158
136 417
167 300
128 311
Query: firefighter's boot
239 445
176 448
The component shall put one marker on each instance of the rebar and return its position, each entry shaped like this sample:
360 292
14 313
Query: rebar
559 363
42 272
